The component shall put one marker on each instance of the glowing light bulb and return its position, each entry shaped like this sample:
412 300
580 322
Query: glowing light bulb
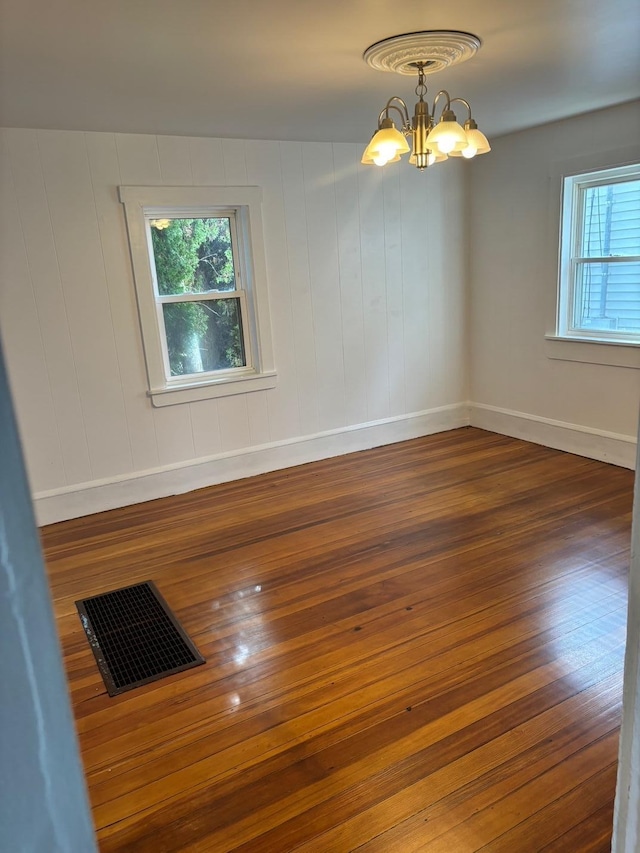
469 152
387 150
380 159
446 143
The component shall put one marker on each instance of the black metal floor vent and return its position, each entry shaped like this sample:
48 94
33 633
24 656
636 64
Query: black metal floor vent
135 637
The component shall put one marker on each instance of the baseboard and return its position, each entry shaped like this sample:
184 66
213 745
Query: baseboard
609 447
99 495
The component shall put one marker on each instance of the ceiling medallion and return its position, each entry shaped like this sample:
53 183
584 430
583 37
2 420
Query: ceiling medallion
434 138
435 49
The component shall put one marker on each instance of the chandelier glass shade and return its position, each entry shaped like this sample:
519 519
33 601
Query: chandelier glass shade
386 146
434 138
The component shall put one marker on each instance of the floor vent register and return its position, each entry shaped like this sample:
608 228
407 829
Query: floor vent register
135 637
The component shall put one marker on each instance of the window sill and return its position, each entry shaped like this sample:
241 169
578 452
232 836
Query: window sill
211 388
612 353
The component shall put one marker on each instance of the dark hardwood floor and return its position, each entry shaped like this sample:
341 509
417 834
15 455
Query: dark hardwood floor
413 648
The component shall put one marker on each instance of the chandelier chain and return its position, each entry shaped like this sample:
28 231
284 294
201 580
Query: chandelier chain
421 88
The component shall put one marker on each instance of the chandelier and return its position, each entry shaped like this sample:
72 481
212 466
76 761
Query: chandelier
433 139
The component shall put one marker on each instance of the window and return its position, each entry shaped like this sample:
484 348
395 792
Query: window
600 257
199 271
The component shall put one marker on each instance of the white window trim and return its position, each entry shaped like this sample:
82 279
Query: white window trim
141 203
571 231
587 349
611 353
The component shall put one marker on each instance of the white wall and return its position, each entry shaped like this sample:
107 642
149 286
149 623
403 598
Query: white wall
516 386
366 276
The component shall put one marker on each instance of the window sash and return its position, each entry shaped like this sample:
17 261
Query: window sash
580 189
576 299
203 375
194 213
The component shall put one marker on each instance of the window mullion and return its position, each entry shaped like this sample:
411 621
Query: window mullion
607 259
205 296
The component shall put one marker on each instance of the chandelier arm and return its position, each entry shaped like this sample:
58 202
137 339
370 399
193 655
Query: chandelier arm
435 101
462 101
384 113
404 112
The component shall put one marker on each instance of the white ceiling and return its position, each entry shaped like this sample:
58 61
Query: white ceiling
293 69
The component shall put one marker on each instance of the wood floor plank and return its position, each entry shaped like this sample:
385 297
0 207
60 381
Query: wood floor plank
592 834
417 647
425 810
570 805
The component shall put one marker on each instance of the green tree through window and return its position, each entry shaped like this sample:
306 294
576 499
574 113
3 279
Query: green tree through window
195 256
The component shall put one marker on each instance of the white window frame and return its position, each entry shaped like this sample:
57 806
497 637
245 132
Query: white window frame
242 205
571 259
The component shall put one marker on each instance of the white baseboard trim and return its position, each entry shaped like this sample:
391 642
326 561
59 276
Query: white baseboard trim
123 490
611 447
99 495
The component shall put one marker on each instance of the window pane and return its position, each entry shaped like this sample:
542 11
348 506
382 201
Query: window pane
611 220
192 255
608 297
204 336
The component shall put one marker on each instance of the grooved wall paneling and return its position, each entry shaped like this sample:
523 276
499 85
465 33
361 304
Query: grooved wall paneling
355 267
